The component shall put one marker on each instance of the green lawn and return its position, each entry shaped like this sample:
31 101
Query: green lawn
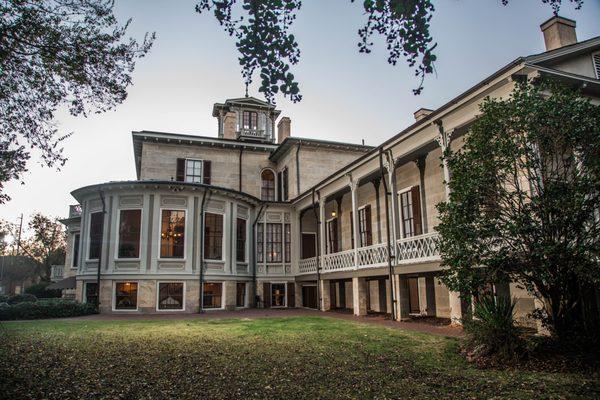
296 357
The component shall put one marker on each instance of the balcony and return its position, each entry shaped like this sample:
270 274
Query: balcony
57 273
417 249
255 134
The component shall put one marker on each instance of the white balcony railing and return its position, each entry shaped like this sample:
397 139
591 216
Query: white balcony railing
417 249
338 261
253 133
57 272
422 248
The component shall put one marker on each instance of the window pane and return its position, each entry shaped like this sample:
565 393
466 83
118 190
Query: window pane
76 250
213 236
126 296
170 296
95 235
407 214
274 242
288 242
129 233
193 171
212 295
268 185
172 234
241 240
260 255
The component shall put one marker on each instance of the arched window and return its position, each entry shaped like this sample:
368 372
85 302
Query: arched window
267 179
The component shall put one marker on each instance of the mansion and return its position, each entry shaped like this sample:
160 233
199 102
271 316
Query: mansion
258 217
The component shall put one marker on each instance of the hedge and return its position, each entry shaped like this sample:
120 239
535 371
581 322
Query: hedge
45 309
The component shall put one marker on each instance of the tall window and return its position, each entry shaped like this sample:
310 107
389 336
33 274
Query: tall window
240 294
91 292
240 244
172 234
274 243
288 242
126 295
410 204
285 184
332 236
212 293
364 226
193 171
213 236
267 191
76 239
96 220
129 233
260 243
170 296
250 120
278 295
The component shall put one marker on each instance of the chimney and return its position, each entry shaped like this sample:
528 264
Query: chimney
558 32
229 125
422 113
283 129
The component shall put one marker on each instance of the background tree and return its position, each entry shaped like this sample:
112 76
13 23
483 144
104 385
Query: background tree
47 243
263 39
54 53
524 203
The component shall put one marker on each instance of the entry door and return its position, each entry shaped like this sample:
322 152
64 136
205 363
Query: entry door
309 245
278 295
413 295
309 296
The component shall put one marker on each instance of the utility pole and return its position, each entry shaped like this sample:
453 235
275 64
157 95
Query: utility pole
19 236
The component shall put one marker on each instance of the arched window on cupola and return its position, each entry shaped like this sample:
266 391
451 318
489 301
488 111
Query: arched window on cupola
267 179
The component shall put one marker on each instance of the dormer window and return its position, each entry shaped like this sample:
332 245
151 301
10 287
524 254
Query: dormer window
250 120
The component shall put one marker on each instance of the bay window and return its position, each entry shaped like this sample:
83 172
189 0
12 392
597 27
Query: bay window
96 228
288 242
213 236
129 233
240 237
172 234
260 243
274 243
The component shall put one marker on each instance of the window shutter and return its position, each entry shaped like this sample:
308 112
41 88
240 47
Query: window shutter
279 185
351 229
368 228
416 206
180 175
285 184
266 295
206 170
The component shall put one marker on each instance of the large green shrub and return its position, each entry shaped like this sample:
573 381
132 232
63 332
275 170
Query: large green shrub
45 309
21 298
40 291
492 332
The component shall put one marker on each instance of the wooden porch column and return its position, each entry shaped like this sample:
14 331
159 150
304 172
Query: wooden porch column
354 195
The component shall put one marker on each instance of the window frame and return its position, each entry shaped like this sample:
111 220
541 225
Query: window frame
223 249
250 113
287 245
273 242
185 234
246 241
158 309
401 211
114 296
328 242
368 229
275 191
185 168
76 250
85 289
222 306
118 234
285 294
89 235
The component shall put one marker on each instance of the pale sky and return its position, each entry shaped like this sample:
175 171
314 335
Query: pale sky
347 96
